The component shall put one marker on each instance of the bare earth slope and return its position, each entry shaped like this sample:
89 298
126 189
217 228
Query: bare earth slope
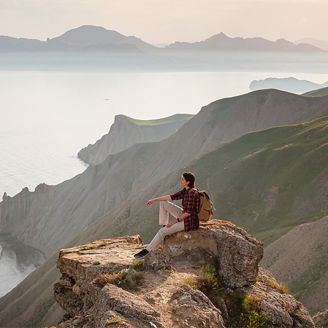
299 260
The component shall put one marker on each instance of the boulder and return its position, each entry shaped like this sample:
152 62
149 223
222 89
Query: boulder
234 252
192 309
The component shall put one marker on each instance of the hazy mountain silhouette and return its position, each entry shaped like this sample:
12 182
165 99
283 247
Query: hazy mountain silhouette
222 42
323 44
97 38
83 38
289 84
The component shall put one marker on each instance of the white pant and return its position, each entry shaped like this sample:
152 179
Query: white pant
166 208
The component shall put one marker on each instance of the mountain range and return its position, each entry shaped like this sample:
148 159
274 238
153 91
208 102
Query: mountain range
86 38
89 38
262 156
222 42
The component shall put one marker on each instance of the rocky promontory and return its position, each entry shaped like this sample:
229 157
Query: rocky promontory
204 278
127 131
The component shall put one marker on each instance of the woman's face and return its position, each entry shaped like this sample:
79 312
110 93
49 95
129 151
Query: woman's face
183 181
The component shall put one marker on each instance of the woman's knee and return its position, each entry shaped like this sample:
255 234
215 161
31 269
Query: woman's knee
163 202
162 231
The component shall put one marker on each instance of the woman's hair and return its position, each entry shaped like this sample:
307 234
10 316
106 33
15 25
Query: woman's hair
190 177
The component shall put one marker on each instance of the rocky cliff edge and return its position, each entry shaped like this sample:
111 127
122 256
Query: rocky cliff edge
204 278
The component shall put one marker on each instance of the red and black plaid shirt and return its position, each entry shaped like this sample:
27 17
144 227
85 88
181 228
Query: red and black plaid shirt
190 204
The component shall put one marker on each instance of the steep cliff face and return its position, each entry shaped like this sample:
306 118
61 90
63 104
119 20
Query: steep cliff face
126 132
204 278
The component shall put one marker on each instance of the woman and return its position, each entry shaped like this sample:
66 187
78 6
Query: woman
186 217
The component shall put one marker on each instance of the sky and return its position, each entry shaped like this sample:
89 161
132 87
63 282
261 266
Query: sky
165 21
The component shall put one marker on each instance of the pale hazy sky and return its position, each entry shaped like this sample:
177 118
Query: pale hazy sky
165 21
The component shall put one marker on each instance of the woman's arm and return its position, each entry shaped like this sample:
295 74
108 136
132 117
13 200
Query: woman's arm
158 199
181 218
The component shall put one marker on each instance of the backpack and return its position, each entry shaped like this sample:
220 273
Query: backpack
205 206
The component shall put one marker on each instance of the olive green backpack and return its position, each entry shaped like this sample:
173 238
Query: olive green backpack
205 206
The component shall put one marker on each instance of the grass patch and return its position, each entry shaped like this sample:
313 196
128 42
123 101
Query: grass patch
103 279
209 282
113 320
92 246
251 314
244 310
134 281
282 289
96 262
192 282
297 316
138 266
111 263
127 279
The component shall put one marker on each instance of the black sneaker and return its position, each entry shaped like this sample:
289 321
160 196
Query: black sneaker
142 253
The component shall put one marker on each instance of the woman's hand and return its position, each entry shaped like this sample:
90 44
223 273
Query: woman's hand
170 224
149 202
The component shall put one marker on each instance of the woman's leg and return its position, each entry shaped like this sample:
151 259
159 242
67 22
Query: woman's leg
166 208
159 237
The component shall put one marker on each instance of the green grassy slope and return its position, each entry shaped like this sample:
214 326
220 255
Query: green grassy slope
317 93
269 181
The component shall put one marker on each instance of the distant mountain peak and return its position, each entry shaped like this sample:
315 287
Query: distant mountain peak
98 37
219 36
89 34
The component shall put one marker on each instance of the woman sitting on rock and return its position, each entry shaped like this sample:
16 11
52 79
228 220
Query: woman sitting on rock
186 217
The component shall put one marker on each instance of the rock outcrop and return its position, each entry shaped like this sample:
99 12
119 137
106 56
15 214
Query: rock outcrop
204 278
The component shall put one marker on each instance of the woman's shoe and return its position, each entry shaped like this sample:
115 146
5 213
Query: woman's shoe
142 253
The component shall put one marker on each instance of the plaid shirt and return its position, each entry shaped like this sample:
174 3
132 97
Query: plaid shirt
190 204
